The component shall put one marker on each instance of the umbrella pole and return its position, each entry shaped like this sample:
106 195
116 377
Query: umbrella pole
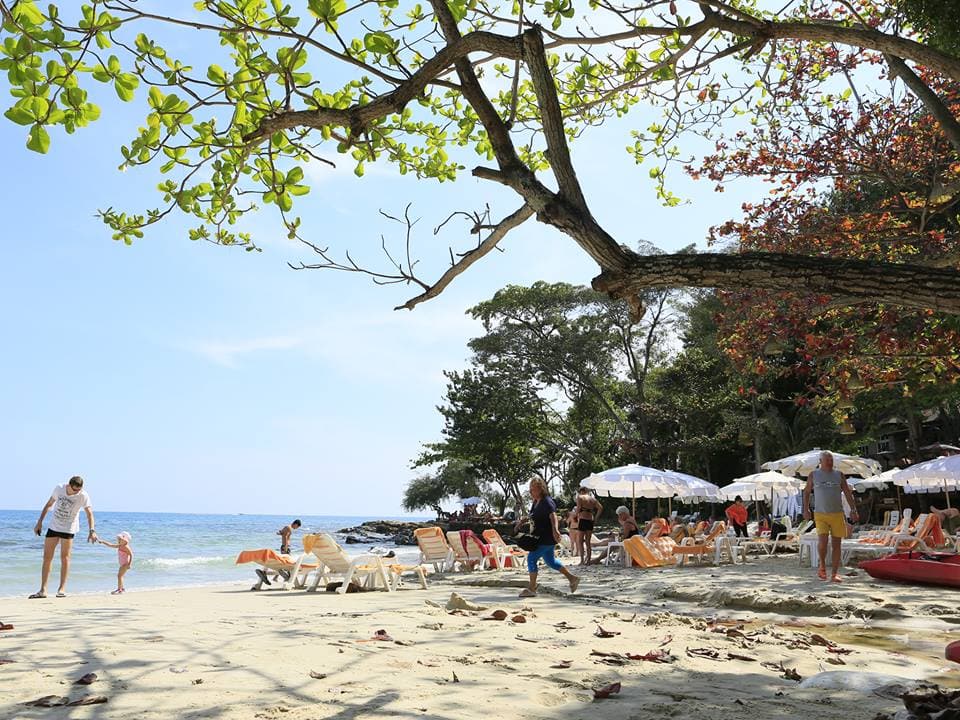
899 502
946 492
633 498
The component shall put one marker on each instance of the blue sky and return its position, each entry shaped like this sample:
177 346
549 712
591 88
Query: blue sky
183 377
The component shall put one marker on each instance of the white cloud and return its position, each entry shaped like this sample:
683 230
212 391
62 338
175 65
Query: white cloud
227 353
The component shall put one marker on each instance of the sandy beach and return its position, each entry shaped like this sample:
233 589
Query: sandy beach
724 632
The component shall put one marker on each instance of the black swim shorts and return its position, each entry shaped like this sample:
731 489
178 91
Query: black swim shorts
57 534
585 525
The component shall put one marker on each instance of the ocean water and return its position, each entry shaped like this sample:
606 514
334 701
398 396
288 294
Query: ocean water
170 549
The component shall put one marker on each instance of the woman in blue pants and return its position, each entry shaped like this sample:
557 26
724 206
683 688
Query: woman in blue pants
543 515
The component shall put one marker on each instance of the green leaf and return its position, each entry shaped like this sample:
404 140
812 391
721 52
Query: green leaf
20 115
379 42
39 139
215 74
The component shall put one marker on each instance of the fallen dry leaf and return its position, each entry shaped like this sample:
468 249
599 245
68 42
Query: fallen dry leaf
735 656
601 633
382 635
198 681
88 700
455 678
86 679
606 691
48 701
657 656
497 615
518 619
708 653
562 665
320 676
836 661
666 641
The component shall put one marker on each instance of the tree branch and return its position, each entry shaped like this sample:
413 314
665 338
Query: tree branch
470 257
897 284
931 101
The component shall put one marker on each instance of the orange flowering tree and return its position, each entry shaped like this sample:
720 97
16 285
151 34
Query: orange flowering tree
859 176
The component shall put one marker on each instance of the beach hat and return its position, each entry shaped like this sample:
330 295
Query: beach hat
123 536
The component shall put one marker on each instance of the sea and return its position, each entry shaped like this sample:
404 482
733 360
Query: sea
170 549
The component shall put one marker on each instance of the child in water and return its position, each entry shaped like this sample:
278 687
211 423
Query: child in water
124 557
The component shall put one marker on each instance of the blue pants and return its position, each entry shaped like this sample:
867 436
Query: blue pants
544 552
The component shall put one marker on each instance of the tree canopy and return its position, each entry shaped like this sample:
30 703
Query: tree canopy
267 87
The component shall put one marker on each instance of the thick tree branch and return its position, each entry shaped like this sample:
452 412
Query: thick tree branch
551 118
470 257
931 101
827 32
906 285
358 117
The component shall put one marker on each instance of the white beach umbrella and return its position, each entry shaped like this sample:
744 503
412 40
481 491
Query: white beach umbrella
691 488
875 482
471 501
806 462
942 474
640 481
767 485
759 486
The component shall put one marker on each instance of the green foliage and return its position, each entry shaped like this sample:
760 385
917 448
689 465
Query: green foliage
492 423
456 478
937 21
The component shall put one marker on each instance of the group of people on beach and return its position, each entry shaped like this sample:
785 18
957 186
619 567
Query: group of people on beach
825 484
66 501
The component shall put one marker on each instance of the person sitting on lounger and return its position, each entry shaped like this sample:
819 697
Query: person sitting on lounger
628 524
949 519
285 532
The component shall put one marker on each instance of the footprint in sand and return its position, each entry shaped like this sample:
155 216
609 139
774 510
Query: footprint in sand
553 698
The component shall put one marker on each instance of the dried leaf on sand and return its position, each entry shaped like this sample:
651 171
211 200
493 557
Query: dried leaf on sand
606 691
601 633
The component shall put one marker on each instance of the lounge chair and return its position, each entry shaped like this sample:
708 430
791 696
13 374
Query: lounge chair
470 551
275 566
507 555
789 540
395 573
335 565
716 542
925 536
434 549
645 554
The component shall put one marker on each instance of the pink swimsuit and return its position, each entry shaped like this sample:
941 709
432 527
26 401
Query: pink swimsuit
123 555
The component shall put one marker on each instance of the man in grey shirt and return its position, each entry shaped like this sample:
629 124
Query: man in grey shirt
827 486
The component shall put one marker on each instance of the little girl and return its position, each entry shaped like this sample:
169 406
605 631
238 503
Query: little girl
124 556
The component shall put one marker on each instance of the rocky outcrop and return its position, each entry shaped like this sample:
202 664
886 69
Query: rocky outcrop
373 532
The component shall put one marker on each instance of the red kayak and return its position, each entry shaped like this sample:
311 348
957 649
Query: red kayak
921 568
953 651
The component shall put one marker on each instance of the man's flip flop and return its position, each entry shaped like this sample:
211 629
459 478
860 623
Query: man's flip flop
37 596
61 594
263 577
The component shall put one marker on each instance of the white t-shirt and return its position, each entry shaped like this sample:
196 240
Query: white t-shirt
66 509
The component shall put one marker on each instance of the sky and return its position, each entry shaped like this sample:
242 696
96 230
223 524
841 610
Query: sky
183 377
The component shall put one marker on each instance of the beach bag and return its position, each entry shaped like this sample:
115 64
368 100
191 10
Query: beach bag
527 541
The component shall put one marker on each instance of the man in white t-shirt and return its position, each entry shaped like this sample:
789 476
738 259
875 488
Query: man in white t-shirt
67 501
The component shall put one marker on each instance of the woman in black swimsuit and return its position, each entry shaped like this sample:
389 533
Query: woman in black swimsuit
588 509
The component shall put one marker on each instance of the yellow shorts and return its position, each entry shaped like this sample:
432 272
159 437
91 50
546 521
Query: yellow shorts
834 524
